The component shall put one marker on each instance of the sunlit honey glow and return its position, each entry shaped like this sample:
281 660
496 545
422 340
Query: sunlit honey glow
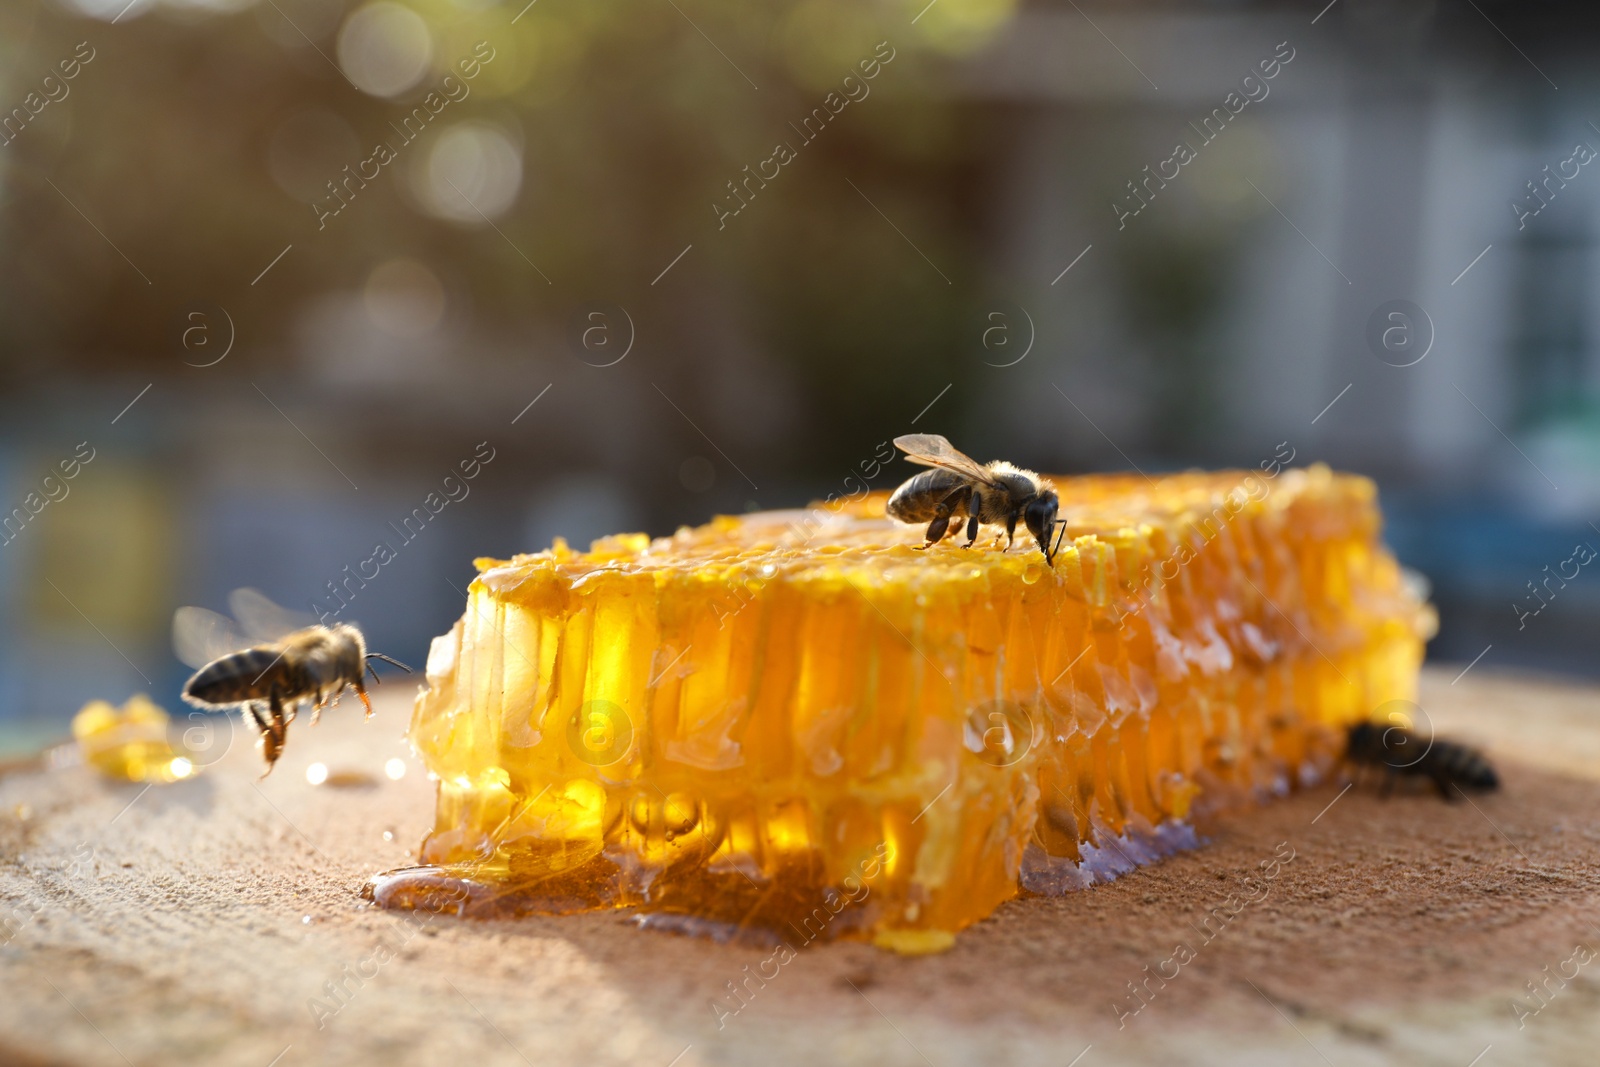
736 724
129 743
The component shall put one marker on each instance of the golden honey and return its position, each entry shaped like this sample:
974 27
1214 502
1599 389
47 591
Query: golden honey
129 743
800 722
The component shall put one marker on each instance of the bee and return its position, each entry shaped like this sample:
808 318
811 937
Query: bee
960 487
269 678
1400 751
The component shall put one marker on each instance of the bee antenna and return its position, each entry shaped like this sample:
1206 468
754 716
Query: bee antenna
386 659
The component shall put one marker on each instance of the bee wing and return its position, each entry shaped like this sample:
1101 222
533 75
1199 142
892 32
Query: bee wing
932 450
200 636
261 620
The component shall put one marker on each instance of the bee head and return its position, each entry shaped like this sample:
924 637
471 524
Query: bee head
1041 519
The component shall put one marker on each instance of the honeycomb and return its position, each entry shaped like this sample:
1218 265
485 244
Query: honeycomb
799 724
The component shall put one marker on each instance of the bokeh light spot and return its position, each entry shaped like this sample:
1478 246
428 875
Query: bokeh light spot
403 298
473 170
385 48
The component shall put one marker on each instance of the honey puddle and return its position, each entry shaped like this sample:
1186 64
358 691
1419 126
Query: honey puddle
732 907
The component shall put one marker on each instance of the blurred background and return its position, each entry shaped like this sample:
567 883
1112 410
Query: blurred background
271 272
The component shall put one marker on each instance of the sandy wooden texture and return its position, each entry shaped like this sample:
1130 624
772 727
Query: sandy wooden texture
202 922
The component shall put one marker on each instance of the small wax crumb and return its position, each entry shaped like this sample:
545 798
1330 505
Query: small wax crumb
388 835
317 773
129 743
395 769
305 919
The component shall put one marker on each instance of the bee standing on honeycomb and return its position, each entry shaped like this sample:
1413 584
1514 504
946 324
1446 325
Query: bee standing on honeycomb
960 487
289 662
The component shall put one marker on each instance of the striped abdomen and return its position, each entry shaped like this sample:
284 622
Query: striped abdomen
919 498
252 674
1448 762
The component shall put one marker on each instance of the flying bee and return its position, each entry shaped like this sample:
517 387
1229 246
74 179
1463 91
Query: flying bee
960 487
1402 752
288 662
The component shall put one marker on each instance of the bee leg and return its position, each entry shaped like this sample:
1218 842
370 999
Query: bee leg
255 716
361 691
1443 787
974 510
1011 532
943 512
275 729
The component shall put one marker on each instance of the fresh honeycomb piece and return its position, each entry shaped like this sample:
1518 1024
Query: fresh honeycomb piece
801 722
129 743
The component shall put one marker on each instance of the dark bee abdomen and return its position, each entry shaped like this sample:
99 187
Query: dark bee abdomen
1462 766
919 498
253 674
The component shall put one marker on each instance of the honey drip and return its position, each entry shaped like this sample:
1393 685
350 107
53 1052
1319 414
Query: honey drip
799 723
